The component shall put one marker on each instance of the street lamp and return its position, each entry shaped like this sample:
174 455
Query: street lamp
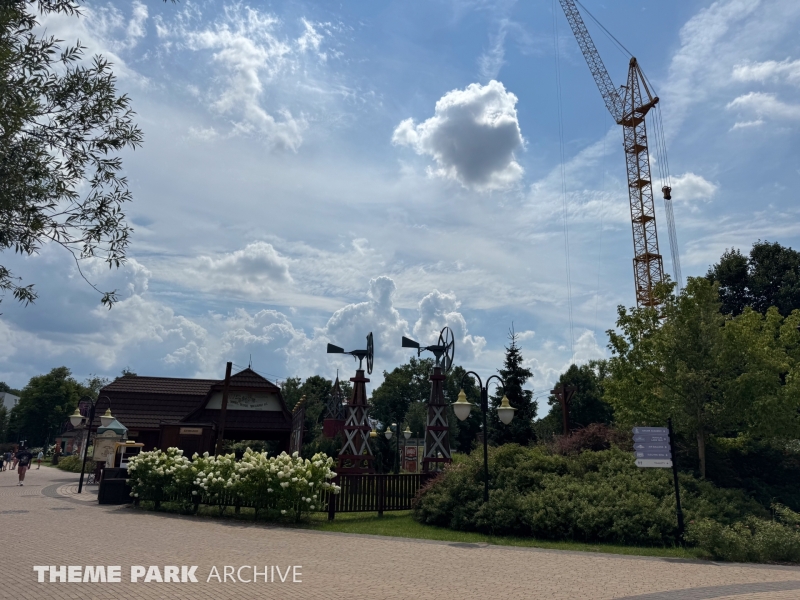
505 412
77 419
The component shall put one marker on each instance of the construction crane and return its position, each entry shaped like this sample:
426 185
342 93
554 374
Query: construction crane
628 106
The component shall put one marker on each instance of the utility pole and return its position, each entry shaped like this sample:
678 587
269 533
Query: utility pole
223 409
564 394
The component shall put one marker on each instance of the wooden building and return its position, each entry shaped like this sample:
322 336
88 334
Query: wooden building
162 412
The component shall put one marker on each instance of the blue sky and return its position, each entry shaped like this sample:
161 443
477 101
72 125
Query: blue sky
313 171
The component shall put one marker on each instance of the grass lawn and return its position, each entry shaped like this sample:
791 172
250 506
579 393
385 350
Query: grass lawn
401 524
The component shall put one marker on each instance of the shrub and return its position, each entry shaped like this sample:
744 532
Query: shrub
592 497
595 437
73 464
290 485
753 539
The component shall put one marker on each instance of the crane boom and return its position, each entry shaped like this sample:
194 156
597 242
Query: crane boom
596 67
629 111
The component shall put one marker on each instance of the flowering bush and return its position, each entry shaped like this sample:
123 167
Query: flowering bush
289 484
154 475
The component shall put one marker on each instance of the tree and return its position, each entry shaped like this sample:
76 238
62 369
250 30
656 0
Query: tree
62 127
770 276
587 405
403 386
44 405
3 423
4 387
713 374
515 375
404 394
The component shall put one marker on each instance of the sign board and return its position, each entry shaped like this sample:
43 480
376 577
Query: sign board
246 401
651 447
191 431
104 444
653 463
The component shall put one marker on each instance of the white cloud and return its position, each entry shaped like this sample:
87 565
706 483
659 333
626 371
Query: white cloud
472 136
525 335
492 60
438 310
690 186
748 124
310 40
250 55
253 269
769 70
765 105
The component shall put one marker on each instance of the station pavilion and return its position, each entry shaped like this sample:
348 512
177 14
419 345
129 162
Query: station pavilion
163 412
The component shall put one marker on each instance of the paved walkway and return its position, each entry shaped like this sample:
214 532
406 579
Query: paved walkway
43 523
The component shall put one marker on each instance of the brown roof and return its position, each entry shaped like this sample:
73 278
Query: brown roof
145 402
249 378
176 386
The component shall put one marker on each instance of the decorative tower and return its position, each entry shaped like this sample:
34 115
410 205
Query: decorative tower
356 455
335 411
437 430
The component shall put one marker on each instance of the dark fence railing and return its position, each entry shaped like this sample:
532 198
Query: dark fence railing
376 493
359 493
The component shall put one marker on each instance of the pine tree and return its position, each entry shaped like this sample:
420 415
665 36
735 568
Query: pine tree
515 375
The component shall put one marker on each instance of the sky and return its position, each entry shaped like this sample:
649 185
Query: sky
314 171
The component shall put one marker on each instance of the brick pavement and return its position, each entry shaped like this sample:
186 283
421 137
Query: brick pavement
43 524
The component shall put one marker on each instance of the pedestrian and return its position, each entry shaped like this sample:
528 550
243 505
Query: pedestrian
14 459
8 460
39 460
2 462
24 458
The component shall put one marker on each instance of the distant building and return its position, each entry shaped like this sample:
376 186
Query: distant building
162 412
8 401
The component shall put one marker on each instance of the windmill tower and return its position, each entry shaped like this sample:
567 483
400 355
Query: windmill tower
356 455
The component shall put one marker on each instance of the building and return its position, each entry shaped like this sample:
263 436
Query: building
162 412
8 401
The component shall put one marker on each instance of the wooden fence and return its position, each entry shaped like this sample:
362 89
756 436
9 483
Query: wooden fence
376 493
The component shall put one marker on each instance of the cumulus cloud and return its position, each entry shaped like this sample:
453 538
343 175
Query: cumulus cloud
472 136
254 270
438 310
770 70
765 105
690 186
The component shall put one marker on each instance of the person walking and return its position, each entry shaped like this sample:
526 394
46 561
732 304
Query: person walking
8 461
39 459
2 462
24 458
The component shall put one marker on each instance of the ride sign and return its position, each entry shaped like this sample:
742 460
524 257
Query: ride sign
652 447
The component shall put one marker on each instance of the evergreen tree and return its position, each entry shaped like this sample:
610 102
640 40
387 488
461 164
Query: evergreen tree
515 375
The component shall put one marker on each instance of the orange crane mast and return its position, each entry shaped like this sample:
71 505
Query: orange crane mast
628 106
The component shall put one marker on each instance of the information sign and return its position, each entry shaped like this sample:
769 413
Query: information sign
651 447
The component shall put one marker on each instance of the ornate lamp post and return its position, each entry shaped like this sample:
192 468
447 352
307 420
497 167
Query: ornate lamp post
390 431
77 419
505 412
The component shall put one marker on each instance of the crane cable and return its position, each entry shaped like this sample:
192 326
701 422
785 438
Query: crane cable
563 183
602 215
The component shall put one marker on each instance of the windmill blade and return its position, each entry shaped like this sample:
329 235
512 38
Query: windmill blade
370 353
335 349
409 343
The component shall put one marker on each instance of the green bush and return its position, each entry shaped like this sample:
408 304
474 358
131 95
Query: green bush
751 540
73 464
591 497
